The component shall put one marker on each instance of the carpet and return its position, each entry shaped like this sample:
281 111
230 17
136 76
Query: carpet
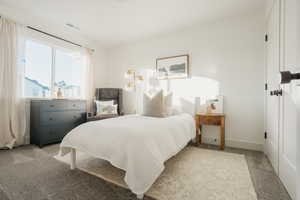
192 174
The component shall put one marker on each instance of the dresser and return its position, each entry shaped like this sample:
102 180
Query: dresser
51 120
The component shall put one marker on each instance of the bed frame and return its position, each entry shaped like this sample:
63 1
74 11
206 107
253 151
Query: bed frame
73 166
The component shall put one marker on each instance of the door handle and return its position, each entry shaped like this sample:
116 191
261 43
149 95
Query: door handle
287 77
278 92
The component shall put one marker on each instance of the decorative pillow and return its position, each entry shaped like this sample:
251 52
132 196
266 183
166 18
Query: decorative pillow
108 109
100 105
168 104
153 105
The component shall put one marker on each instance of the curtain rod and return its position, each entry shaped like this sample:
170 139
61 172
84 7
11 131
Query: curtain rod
56 37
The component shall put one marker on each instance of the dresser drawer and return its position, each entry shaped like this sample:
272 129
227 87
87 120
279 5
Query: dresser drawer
67 117
51 106
50 118
206 120
77 118
77 105
51 134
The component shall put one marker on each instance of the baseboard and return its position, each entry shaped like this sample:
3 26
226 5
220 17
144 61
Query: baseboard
235 144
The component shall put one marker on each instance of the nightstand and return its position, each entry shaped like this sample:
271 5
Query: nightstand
211 119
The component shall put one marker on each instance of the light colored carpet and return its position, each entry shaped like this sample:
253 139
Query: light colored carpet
193 174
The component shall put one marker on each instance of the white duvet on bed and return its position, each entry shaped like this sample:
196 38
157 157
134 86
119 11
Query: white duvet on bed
137 144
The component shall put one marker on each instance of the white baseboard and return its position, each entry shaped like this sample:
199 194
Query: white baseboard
234 143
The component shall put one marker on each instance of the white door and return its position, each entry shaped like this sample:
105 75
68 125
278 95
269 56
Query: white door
288 108
297 99
272 71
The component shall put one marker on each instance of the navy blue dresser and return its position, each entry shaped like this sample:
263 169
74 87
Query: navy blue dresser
51 120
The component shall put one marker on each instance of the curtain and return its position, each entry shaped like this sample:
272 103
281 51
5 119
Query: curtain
89 89
12 104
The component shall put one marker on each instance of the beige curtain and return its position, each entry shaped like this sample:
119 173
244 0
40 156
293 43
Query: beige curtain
89 88
12 105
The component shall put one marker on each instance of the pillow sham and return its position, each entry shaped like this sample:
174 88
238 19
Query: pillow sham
153 105
108 109
105 107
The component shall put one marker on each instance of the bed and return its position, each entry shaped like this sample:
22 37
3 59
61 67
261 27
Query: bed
139 145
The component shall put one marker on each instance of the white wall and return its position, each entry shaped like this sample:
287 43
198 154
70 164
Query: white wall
230 51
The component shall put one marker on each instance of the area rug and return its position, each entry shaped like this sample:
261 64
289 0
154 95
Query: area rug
193 174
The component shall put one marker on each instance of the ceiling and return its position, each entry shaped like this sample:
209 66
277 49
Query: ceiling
113 22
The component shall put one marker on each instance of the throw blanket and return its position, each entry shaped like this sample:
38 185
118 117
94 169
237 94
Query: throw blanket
137 144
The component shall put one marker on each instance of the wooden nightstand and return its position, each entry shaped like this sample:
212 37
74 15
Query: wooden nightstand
211 119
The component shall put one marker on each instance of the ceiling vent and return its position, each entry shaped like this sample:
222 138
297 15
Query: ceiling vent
72 26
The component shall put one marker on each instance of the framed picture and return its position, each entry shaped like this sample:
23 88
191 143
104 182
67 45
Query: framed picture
173 67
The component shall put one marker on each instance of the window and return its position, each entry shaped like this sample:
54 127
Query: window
49 69
38 70
68 74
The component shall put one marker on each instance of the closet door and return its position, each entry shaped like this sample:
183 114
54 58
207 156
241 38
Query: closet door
288 108
272 71
297 99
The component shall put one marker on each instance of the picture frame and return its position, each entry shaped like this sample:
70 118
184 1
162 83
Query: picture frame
173 67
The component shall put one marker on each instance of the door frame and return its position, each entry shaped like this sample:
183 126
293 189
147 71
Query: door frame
275 4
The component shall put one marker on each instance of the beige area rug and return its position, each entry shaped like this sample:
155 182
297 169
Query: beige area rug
193 174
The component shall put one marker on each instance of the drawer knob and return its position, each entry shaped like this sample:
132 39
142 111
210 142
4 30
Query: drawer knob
51 106
50 118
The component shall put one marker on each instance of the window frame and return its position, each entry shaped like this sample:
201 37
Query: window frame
53 67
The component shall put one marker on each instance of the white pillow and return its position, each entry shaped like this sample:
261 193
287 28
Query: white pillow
104 106
108 109
153 104
168 104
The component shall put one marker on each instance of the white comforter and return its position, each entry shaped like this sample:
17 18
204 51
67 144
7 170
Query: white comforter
137 144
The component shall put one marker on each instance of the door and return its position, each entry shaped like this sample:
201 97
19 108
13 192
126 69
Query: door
297 99
272 71
288 108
